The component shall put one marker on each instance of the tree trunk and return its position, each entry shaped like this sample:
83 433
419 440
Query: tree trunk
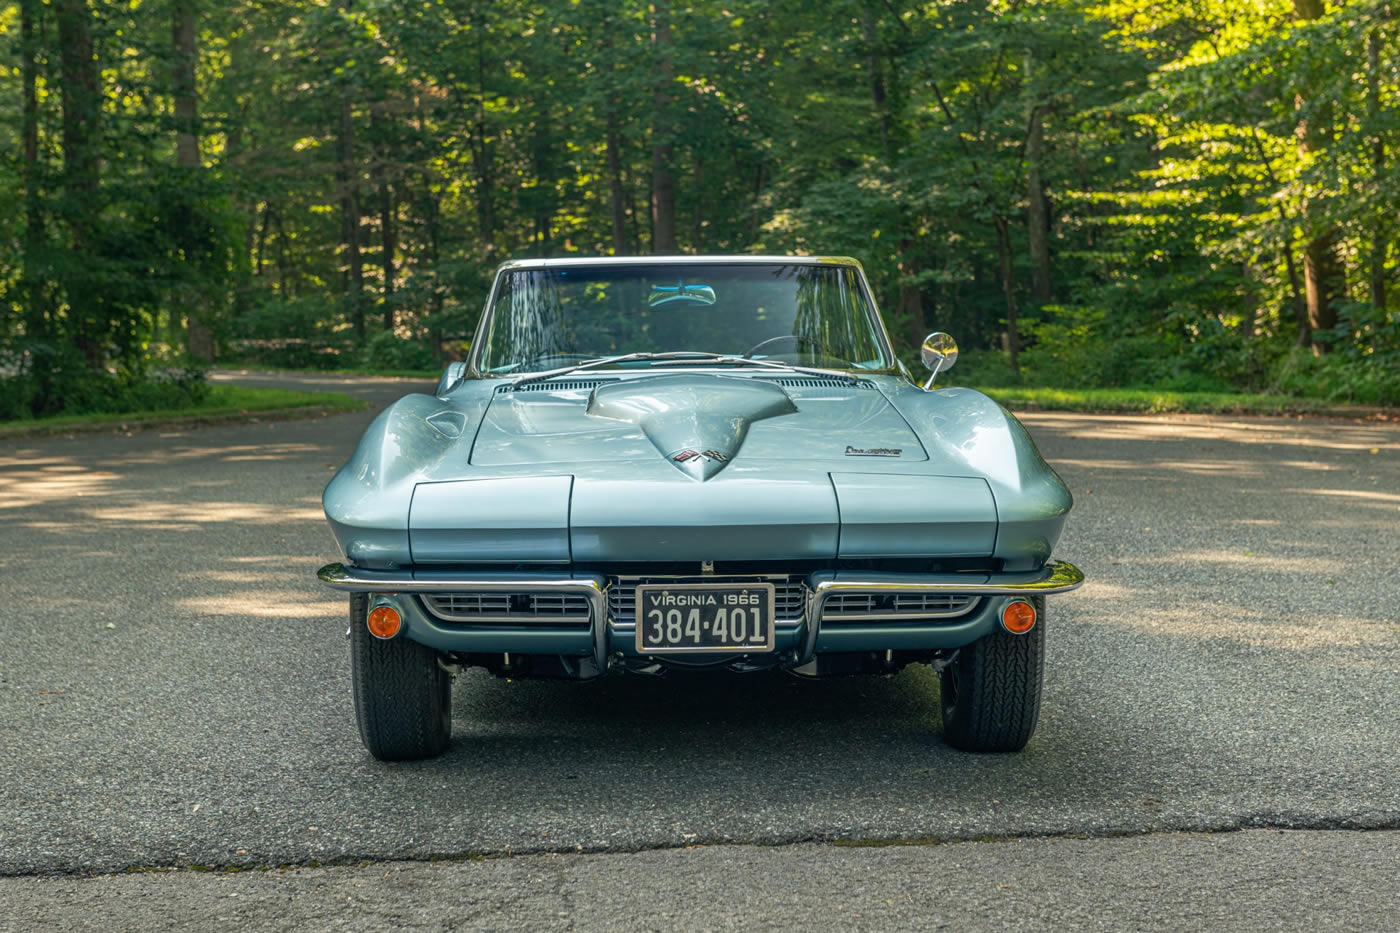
911 301
285 280
388 215
433 223
979 284
36 320
1324 280
81 97
663 181
199 333
1380 231
350 215
1323 275
616 196
1300 302
879 95
348 177
697 211
1008 288
260 242
481 153
1249 301
541 198
182 33
759 179
251 245
1037 220
634 214
248 207
619 207
388 238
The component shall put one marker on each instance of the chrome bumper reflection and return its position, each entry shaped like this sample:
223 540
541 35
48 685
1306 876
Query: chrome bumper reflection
591 586
1059 577
1054 578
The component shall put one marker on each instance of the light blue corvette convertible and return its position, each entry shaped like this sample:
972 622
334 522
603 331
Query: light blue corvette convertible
685 464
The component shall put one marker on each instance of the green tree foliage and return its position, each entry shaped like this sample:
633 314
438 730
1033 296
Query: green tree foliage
1109 192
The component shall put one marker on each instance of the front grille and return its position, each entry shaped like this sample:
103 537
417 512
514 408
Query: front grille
509 608
865 607
789 594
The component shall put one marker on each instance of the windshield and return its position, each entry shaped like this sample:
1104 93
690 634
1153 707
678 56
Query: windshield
801 314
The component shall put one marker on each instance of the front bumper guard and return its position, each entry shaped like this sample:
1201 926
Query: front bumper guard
1057 577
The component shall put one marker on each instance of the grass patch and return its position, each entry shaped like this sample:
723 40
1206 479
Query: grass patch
221 402
427 375
1153 401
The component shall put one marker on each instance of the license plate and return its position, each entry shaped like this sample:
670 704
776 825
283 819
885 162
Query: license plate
704 617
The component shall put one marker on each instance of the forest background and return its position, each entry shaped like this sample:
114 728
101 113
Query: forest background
1197 194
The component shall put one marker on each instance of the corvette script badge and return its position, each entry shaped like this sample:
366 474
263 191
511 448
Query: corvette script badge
874 451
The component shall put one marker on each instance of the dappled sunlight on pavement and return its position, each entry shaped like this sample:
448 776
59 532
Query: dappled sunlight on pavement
181 514
1250 562
1316 433
266 604
168 452
25 482
1384 498
1277 535
1212 618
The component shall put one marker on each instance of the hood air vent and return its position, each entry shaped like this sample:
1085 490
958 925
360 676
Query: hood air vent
577 385
815 382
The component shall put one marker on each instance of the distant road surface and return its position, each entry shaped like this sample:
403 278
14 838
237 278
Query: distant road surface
174 691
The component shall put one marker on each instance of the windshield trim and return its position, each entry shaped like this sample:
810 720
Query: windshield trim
872 309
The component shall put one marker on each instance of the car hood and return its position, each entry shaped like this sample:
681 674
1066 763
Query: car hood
699 423
792 468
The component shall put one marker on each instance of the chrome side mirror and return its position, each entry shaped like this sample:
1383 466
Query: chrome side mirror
939 353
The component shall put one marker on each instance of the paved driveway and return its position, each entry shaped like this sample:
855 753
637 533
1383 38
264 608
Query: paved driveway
174 685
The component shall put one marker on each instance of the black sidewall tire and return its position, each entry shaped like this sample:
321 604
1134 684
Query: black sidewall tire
991 691
403 697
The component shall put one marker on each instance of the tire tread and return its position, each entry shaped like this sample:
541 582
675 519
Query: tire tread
996 705
402 696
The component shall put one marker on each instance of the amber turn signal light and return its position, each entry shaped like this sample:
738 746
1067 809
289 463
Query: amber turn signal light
384 622
1018 617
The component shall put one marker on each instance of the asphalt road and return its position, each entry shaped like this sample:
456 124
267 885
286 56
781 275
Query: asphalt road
174 691
1253 880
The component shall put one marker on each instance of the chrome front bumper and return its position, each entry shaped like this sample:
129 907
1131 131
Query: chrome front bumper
1060 577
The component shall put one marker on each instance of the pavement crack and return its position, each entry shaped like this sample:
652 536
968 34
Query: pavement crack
1361 823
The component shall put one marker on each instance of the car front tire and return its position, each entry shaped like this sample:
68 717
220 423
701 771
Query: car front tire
403 697
991 690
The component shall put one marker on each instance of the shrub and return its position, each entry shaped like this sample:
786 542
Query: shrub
1373 379
40 380
1363 366
387 350
292 353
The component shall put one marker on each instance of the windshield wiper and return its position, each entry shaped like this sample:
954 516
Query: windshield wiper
622 358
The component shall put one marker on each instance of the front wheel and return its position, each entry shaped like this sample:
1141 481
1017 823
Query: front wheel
991 690
403 698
